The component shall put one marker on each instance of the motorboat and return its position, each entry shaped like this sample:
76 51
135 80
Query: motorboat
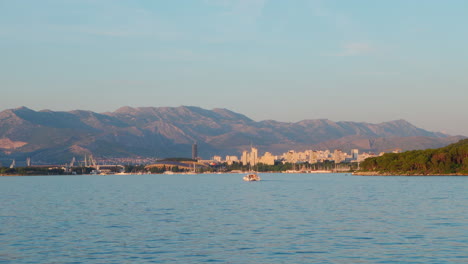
251 177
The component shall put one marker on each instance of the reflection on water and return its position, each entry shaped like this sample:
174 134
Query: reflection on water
287 218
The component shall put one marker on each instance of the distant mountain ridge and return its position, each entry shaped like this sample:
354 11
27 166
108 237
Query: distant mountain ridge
55 136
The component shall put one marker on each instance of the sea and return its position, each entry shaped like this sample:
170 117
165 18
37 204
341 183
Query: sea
218 218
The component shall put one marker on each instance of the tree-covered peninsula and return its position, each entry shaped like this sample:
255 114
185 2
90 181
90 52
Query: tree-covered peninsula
452 160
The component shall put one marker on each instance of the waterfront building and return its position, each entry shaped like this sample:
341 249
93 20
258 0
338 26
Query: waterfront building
313 157
308 156
253 156
339 156
231 159
250 158
302 156
245 157
267 159
291 156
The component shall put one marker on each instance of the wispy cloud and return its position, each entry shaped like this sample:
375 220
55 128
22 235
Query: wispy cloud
378 73
340 21
178 55
240 10
254 6
236 20
353 49
347 30
131 31
356 49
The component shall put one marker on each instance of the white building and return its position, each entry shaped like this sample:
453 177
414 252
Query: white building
267 159
250 157
231 159
245 157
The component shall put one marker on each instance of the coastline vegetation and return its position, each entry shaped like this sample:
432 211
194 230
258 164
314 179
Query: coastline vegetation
449 160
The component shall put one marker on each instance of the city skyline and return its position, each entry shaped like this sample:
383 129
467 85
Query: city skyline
362 61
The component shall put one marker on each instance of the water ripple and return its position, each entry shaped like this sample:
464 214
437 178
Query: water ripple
218 218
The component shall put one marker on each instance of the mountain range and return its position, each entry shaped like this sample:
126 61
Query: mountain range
54 136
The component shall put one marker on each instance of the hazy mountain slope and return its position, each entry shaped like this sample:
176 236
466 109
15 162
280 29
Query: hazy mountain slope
49 136
383 144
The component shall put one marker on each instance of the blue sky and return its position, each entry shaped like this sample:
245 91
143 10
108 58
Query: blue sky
361 60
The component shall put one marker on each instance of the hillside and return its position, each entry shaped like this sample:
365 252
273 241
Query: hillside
53 136
452 159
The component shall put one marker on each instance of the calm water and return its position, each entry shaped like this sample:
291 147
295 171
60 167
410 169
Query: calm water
287 218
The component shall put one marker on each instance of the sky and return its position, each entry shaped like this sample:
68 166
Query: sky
285 60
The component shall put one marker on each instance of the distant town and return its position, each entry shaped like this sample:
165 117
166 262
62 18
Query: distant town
309 156
290 161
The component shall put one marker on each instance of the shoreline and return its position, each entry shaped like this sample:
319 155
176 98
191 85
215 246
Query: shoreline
376 173
276 172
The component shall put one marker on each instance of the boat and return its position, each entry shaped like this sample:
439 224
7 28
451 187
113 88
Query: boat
251 177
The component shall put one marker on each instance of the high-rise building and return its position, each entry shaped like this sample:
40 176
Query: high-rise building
253 156
245 157
194 151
